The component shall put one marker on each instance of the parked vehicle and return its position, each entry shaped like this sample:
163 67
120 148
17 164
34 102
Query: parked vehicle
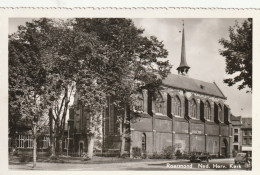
243 158
199 157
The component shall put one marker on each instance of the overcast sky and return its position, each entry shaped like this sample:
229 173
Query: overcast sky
202 52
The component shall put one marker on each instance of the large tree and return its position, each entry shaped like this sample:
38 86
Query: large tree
238 53
133 63
27 79
41 72
97 57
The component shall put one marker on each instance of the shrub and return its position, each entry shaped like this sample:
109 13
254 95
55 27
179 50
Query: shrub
178 153
125 155
85 156
137 153
185 156
168 152
25 158
144 155
15 152
157 156
53 158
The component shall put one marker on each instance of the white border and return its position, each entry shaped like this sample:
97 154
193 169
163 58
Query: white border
132 3
130 13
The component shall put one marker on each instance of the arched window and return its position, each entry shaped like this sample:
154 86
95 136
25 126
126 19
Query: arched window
158 103
143 142
207 111
193 109
176 106
139 103
220 113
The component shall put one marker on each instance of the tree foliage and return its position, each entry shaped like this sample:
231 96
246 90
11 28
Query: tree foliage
49 59
238 53
133 62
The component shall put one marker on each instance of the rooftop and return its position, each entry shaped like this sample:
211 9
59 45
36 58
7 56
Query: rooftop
246 123
194 85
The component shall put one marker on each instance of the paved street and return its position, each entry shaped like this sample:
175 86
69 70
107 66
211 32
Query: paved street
219 164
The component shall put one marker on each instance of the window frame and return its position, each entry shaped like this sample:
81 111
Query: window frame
45 142
208 111
140 100
143 142
236 140
20 140
220 113
176 106
244 141
158 106
193 109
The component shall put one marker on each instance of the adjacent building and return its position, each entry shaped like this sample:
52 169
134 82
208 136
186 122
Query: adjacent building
237 140
246 130
242 135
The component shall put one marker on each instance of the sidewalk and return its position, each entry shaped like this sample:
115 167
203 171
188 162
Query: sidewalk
94 160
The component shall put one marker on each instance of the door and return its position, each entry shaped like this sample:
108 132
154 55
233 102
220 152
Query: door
80 148
224 148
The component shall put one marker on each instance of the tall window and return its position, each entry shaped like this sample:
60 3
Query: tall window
235 131
244 141
143 142
250 141
158 103
45 142
139 103
20 141
220 113
193 109
28 141
207 111
235 138
176 106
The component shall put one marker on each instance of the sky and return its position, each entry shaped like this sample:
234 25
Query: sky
202 51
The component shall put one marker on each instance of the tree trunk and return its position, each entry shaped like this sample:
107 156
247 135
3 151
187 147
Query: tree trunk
91 137
90 146
122 135
60 145
52 151
34 145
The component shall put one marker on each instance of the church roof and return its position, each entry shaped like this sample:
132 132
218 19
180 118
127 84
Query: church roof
194 85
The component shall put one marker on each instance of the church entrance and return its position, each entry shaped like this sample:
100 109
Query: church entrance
81 147
224 148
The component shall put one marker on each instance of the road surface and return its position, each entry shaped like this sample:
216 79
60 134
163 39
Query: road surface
168 165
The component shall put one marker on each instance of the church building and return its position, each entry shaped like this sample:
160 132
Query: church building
188 114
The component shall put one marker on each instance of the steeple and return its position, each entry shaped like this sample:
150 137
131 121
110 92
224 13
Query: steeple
183 67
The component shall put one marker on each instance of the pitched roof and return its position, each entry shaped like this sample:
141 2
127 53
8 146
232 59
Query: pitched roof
246 123
236 120
194 85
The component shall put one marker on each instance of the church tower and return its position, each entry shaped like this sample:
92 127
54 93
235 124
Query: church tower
183 67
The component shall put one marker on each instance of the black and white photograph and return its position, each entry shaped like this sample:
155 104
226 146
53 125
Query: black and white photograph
138 94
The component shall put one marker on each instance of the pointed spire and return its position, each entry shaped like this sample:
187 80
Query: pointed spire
183 67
